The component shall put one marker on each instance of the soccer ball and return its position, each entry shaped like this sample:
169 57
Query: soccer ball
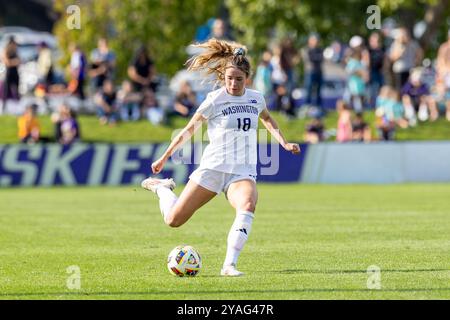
183 261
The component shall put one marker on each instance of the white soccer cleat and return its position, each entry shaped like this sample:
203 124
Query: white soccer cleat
230 271
152 184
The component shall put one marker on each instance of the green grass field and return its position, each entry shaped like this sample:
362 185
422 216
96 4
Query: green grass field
307 242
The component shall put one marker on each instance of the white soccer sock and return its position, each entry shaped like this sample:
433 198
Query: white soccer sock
167 199
238 236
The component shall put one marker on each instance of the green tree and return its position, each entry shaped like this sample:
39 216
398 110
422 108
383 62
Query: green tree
165 27
257 21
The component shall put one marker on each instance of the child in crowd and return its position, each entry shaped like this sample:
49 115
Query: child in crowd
415 98
356 84
344 125
360 129
28 125
129 102
314 131
106 101
151 108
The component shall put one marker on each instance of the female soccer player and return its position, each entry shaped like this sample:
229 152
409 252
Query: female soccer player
228 163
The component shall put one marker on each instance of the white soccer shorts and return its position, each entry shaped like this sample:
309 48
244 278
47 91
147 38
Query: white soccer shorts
217 181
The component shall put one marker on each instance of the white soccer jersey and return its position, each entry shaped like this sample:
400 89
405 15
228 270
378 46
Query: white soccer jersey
232 131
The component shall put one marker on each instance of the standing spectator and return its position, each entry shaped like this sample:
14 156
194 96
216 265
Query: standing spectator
263 82
289 60
443 73
443 58
129 102
360 129
279 81
376 57
11 60
185 101
312 57
77 71
45 65
142 71
314 131
356 83
107 103
220 30
405 53
103 64
344 125
28 125
440 96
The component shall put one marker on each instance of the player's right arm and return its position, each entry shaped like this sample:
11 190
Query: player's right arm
188 131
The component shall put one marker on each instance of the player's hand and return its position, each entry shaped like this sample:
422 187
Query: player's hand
158 165
294 148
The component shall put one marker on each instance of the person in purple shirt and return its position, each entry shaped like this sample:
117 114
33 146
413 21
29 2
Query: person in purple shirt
415 98
67 129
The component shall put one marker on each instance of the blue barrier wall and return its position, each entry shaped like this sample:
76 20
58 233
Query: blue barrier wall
121 164
378 163
129 164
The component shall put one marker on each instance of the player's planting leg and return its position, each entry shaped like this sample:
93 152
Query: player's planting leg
242 195
237 237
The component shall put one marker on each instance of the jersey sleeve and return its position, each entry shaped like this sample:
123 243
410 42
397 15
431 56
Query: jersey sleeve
206 107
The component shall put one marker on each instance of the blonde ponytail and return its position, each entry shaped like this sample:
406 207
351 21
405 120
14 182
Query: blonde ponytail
217 56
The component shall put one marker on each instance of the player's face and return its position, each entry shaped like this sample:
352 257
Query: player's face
235 81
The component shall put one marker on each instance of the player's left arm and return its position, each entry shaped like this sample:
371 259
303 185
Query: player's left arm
274 130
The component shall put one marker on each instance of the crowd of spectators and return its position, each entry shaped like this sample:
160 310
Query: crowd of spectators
386 76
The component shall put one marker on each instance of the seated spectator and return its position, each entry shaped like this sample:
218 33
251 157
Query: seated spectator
67 129
395 108
129 102
151 108
440 96
415 99
106 102
344 125
360 129
385 126
314 131
388 103
185 101
28 125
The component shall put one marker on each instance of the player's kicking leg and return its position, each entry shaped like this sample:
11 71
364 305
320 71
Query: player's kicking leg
176 211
